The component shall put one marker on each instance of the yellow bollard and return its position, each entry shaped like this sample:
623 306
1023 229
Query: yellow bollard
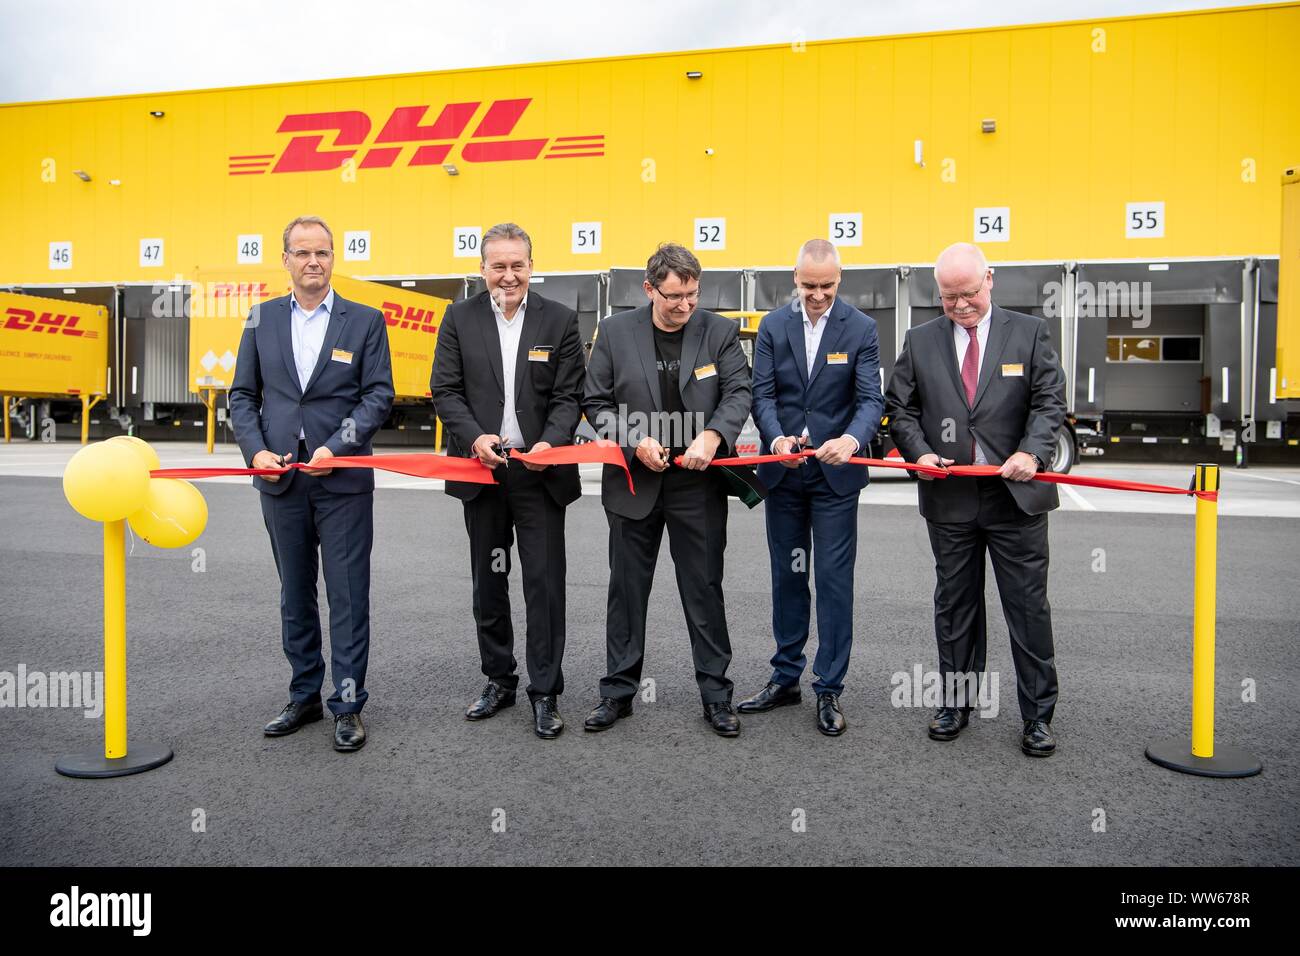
1202 759
114 639
437 434
104 482
210 403
6 413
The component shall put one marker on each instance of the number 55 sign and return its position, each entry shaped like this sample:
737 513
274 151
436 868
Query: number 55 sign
1144 220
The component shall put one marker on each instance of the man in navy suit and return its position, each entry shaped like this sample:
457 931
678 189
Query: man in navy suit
313 380
816 385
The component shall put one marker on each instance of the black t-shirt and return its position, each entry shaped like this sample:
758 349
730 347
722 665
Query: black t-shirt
672 431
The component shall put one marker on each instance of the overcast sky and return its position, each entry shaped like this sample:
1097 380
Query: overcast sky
57 49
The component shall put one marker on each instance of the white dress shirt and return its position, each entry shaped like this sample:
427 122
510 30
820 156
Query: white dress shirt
961 340
812 341
307 330
509 331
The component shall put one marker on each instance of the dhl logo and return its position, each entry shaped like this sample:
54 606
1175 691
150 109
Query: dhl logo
429 145
410 317
25 320
240 290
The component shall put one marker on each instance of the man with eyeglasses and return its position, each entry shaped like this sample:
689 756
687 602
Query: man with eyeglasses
667 380
313 380
983 385
507 374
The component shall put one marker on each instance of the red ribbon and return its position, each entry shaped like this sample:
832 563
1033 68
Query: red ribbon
425 465
601 452
980 471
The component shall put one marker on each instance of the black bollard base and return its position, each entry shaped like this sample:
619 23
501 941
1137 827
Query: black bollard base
1226 762
138 759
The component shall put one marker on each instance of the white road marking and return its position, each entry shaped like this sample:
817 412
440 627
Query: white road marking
1083 503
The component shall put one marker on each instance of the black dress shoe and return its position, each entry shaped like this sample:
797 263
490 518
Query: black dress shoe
547 722
722 717
948 722
493 698
604 714
830 719
773 695
294 715
349 733
1037 740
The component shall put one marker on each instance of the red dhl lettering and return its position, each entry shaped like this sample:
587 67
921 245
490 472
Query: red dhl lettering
25 320
240 290
409 317
348 131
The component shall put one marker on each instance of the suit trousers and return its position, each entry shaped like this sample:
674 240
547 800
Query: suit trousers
692 505
518 505
809 525
1017 544
305 518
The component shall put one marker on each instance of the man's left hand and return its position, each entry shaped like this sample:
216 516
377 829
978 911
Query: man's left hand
321 454
837 451
1019 467
540 446
702 450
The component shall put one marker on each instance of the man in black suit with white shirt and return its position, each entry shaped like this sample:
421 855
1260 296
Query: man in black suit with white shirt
507 374
982 385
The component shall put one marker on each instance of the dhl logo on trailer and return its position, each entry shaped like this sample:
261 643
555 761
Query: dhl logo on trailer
221 301
430 144
52 346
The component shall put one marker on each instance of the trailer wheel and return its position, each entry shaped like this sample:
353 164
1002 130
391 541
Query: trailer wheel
1064 454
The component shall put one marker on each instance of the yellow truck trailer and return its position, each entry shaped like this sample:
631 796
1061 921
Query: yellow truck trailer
51 348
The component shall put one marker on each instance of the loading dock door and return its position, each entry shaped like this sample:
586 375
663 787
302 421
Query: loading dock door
1160 337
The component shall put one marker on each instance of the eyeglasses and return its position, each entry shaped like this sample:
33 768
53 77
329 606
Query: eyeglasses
302 255
953 297
676 298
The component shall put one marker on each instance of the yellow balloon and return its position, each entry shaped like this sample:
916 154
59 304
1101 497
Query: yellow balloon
142 447
173 515
106 481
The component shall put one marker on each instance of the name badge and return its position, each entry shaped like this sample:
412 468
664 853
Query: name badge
339 355
705 371
1013 370
837 358
539 355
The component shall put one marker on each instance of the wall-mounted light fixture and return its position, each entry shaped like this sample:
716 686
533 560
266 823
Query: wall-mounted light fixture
450 169
82 175
989 126
693 74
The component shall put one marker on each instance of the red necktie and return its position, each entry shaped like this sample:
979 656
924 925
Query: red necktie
970 374
970 368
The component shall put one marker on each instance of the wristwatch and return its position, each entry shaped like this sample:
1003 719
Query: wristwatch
1038 462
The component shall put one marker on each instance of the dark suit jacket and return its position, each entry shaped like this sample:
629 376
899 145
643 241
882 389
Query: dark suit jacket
623 394
840 399
926 405
469 395
343 399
